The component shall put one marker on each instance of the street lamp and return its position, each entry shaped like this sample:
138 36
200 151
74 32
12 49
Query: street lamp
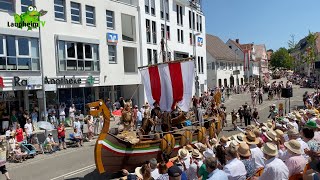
195 62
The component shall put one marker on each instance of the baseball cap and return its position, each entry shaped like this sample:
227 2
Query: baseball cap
174 171
50 134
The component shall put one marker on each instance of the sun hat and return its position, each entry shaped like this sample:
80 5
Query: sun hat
293 132
183 153
251 138
189 148
196 154
264 128
138 172
238 138
294 146
311 124
298 116
232 143
244 150
279 133
208 153
271 135
312 112
223 139
201 147
174 171
213 141
273 105
291 116
270 149
285 120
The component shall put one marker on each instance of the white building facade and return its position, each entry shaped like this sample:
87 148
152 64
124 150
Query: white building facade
90 50
185 28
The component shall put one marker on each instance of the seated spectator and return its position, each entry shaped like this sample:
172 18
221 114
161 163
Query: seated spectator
296 162
9 132
50 144
274 167
234 168
154 168
212 168
19 155
78 137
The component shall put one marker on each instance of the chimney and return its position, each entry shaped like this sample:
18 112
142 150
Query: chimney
237 41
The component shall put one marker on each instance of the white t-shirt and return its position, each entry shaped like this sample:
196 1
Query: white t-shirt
50 140
28 128
77 125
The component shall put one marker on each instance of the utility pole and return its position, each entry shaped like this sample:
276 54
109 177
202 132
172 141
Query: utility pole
42 75
196 85
164 5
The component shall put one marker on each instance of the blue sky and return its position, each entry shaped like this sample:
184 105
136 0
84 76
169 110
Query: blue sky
269 22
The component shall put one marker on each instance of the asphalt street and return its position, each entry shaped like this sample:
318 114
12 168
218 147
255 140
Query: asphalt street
78 163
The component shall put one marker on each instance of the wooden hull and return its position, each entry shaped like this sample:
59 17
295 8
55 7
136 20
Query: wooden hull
117 154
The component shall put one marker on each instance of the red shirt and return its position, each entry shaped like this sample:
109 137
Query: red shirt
19 135
61 133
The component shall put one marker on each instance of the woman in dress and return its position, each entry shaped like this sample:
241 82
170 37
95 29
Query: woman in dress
19 133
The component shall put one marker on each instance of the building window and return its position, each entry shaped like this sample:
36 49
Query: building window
19 53
90 15
149 56
25 4
59 9
200 23
166 9
218 65
76 56
128 24
193 21
190 39
148 31
197 22
110 19
209 66
162 31
155 56
236 66
154 32
112 52
180 36
200 65
190 20
7 5
179 15
75 12
146 6
153 7
213 66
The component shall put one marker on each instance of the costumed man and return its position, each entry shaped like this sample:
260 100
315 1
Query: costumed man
126 119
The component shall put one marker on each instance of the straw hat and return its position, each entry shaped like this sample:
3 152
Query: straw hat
213 141
279 133
183 153
294 146
238 138
208 153
270 149
138 172
301 111
201 147
223 139
244 150
293 132
271 135
251 138
264 128
232 143
291 125
196 154
189 148
298 116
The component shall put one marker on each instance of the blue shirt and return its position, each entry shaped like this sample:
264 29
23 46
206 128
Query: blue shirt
217 174
139 116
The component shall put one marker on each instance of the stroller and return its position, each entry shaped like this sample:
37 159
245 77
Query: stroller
29 148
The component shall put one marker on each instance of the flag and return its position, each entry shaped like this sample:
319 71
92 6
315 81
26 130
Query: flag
169 84
1 82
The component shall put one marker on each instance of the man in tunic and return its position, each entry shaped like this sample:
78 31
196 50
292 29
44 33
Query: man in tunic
126 119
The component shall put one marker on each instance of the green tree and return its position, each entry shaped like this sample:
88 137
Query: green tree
281 58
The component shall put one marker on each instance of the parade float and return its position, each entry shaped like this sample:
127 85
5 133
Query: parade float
169 85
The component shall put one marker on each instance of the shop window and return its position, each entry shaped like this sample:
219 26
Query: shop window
59 9
25 4
110 19
7 5
19 53
75 12
75 56
90 15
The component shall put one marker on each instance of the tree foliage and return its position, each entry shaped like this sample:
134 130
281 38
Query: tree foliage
282 58
311 54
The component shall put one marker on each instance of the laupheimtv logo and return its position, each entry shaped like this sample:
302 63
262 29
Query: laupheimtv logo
29 19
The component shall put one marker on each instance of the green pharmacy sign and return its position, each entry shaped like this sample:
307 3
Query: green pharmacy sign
90 80
29 19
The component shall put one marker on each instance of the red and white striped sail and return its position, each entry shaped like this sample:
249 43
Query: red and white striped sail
168 84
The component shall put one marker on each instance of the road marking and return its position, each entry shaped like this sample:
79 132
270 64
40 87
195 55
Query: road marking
75 172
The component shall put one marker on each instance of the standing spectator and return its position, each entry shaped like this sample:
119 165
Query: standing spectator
234 168
122 102
247 115
154 168
274 168
14 119
139 119
256 153
80 116
20 116
61 136
163 171
19 134
3 158
52 115
72 111
90 127
62 113
245 156
296 162
28 128
5 121
34 117
109 105
212 168
174 173
260 95
241 113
